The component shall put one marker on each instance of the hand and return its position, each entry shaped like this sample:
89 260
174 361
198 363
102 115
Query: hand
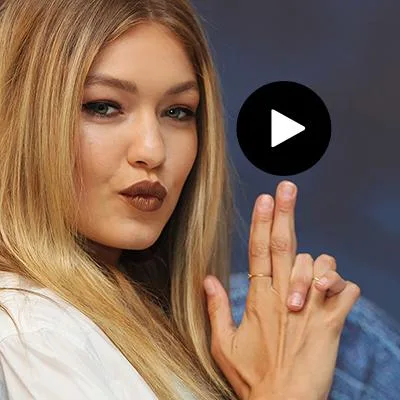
275 352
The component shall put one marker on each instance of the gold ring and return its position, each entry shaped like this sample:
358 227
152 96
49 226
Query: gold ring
252 275
316 279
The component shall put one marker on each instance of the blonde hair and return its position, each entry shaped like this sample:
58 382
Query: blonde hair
46 50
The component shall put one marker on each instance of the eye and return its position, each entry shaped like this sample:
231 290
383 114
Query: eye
99 109
181 113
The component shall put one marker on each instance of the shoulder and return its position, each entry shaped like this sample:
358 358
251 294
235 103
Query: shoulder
31 312
50 366
59 347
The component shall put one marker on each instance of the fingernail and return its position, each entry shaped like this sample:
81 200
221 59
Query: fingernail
265 203
296 299
287 191
209 287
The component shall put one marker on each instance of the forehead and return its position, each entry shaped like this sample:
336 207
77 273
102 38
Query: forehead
148 50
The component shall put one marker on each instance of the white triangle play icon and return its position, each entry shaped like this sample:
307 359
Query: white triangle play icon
283 128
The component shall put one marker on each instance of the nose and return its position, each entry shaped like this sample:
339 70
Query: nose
147 144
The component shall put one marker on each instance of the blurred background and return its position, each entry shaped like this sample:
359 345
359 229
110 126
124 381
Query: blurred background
348 53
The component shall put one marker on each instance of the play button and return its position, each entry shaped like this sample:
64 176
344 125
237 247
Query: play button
283 128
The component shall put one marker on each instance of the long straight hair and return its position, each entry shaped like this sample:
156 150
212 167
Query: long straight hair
46 50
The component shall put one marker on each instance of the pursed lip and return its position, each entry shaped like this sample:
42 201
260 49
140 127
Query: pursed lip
146 188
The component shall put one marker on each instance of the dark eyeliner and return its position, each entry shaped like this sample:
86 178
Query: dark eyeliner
190 113
87 108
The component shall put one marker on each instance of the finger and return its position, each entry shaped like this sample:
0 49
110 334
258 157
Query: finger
283 237
222 328
331 283
259 243
322 265
340 305
219 310
300 281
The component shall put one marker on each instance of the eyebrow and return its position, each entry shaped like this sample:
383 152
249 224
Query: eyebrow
130 87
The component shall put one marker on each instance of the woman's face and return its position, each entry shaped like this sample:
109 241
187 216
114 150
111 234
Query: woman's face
145 133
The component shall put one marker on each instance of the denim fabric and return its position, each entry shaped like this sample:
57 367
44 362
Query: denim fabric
368 363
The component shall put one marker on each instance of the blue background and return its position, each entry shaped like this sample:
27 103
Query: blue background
348 53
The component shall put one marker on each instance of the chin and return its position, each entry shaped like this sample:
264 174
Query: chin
144 246
139 242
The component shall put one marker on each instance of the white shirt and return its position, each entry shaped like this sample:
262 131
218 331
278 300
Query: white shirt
67 357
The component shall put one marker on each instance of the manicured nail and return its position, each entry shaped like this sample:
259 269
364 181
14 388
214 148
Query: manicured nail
287 191
296 299
209 287
265 203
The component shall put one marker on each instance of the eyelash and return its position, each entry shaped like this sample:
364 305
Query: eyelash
190 114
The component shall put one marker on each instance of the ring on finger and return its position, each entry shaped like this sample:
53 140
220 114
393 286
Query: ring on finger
253 275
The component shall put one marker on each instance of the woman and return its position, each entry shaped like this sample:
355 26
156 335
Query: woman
95 97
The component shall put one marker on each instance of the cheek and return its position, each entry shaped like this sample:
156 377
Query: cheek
184 155
98 155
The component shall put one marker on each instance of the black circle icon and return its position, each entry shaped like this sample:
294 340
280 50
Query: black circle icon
284 128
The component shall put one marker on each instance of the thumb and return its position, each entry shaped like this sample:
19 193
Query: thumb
219 308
